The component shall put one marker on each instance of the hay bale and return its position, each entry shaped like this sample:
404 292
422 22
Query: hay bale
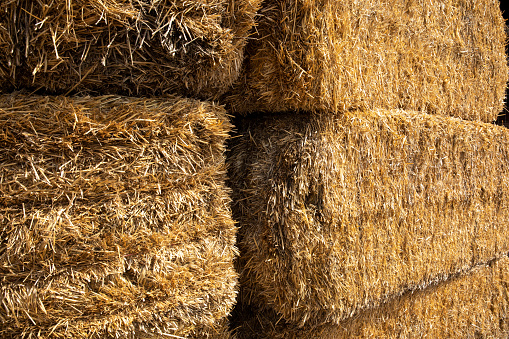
219 331
114 218
475 305
444 58
341 213
150 47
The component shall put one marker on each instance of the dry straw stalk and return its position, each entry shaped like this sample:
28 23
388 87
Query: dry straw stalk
445 57
340 213
114 218
471 306
146 47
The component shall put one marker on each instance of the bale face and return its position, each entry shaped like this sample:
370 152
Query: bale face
219 331
325 56
115 219
339 214
471 306
127 47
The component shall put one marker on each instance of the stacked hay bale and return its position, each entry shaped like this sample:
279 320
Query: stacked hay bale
373 184
115 220
373 170
328 56
474 305
341 213
150 47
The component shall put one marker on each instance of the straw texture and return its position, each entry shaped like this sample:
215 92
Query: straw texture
114 218
475 305
148 47
445 57
339 214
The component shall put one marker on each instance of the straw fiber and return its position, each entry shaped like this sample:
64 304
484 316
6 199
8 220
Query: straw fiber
114 218
445 57
475 305
340 213
147 47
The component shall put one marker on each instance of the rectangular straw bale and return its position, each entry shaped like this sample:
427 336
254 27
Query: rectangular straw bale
219 331
475 305
114 217
445 57
340 213
149 47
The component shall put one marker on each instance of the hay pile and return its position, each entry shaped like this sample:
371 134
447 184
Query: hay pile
339 214
472 306
147 47
114 218
444 58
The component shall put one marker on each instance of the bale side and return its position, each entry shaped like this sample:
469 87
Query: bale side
115 218
475 305
218 331
193 48
339 214
444 58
